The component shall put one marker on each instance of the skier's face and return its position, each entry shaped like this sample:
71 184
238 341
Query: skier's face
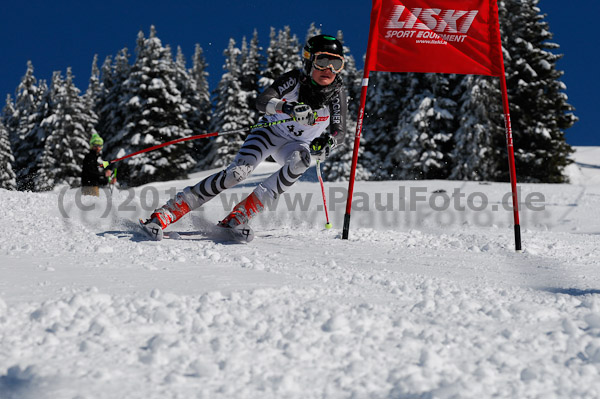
98 149
324 77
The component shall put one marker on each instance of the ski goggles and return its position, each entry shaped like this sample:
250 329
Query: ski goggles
323 61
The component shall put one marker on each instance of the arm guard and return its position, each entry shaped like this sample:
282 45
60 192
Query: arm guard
338 109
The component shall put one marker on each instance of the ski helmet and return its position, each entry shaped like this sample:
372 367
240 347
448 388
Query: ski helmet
96 140
318 44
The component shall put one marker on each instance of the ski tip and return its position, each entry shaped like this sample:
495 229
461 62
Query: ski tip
152 230
241 233
173 235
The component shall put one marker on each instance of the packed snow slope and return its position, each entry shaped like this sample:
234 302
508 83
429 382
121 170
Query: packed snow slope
426 299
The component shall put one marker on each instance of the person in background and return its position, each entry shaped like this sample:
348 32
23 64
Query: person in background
92 174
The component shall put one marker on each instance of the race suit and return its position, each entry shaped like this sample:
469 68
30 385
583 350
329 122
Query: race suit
288 144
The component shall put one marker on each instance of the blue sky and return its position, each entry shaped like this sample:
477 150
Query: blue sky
57 34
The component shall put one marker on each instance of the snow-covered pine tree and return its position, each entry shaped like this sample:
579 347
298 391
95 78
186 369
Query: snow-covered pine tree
94 89
425 130
26 101
70 124
154 113
195 111
199 80
283 54
108 106
8 179
312 31
27 139
271 66
387 96
290 49
251 67
231 111
7 118
352 78
181 72
477 141
339 164
200 77
540 113
8 112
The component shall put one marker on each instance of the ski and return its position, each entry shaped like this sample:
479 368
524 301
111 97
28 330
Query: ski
242 233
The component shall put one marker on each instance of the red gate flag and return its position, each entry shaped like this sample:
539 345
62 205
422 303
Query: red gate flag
435 36
440 36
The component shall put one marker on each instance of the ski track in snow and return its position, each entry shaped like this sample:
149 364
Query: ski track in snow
88 309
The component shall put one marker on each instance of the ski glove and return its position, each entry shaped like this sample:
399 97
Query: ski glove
321 147
302 113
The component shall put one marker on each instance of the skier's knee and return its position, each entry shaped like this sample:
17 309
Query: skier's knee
299 161
236 173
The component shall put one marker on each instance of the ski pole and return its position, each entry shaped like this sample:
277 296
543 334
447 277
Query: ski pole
327 225
114 176
198 136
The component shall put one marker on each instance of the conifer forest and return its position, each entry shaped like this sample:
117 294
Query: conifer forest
416 126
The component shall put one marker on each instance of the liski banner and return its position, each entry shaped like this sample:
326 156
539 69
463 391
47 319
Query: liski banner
426 36
435 36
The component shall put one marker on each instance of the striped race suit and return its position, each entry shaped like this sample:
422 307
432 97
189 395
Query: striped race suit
288 144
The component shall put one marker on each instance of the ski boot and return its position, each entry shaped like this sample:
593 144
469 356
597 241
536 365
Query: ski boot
243 211
169 213
237 220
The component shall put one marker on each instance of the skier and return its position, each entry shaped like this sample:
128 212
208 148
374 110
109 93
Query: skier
314 96
92 175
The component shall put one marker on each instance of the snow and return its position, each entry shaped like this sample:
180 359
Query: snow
416 304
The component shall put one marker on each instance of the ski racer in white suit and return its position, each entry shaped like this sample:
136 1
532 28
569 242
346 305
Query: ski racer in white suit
316 99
